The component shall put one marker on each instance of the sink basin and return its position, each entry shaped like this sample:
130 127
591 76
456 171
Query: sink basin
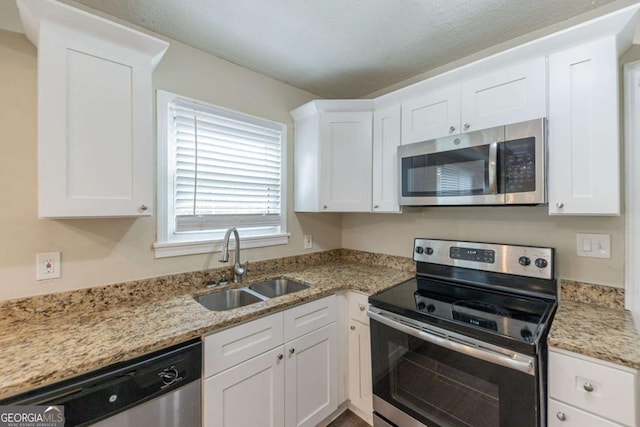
227 300
277 287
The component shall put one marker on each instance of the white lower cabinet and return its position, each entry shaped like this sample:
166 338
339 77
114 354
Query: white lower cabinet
588 392
249 394
292 383
359 343
562 415
311 377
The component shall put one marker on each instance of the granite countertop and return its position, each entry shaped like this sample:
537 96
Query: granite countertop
44 342
49 338
599 331
591 320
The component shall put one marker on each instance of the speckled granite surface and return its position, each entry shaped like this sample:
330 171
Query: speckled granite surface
591 320
592 294
49 338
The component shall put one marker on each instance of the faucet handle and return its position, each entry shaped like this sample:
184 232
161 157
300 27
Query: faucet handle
240 270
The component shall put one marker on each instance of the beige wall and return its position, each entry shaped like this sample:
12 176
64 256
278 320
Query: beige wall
104 251
394 234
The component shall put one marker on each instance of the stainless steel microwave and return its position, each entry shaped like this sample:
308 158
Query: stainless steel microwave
505 165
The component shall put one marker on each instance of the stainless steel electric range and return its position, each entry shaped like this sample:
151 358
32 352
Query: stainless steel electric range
464 342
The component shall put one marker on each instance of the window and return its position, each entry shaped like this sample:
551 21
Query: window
217 169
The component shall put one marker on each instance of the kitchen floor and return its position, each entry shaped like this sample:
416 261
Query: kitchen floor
348 419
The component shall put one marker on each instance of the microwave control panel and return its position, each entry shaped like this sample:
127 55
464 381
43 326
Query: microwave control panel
519 166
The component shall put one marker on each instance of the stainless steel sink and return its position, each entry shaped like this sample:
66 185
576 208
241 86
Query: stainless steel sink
277 287
227 300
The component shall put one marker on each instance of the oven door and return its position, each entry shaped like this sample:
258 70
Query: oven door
434 378
460 170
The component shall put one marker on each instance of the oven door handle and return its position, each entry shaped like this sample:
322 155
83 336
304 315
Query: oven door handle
521 363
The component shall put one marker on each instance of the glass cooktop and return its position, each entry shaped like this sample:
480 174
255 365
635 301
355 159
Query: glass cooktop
469 308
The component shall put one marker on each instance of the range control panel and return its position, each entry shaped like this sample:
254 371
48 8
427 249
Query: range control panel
509 259
472 254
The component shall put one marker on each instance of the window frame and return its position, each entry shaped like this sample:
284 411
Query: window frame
168 243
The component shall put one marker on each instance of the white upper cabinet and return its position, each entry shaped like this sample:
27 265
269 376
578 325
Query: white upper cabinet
509 95
432 115
345 158
95 140
386 139
584 141
333 156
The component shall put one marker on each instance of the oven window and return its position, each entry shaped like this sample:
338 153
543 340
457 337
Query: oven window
440 387
461 172
451 395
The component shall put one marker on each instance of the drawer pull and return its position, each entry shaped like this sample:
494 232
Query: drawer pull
362 308
588 387
561 416
292 350
280 356
353 328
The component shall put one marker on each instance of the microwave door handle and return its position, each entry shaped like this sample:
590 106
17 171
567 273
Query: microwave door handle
493 168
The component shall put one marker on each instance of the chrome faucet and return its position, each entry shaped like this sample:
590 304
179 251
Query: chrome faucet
238 270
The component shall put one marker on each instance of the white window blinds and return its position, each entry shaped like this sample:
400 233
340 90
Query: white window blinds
227 169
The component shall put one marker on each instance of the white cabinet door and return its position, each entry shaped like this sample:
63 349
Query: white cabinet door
360 387
386 139
249 394
561 415
432 115
509 95
305 318
311 377
95 140
345 161
231 346
584 144
594 387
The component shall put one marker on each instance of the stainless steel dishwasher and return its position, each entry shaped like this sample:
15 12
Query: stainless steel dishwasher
161 389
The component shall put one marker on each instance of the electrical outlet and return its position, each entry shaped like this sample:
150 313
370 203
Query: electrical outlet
48 266
593 245
308 242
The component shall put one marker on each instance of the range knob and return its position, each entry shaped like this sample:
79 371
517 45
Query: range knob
421 306
429 251
541 263
526 334
524 261
431 308
419 250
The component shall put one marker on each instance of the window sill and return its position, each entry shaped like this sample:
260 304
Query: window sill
171 249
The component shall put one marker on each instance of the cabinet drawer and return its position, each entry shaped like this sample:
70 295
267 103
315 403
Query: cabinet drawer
308 317
235 345
358 305
612 392
561 415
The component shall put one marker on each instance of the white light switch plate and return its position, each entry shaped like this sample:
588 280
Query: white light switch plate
593 245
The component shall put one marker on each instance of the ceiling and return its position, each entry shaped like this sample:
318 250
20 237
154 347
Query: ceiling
343 48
